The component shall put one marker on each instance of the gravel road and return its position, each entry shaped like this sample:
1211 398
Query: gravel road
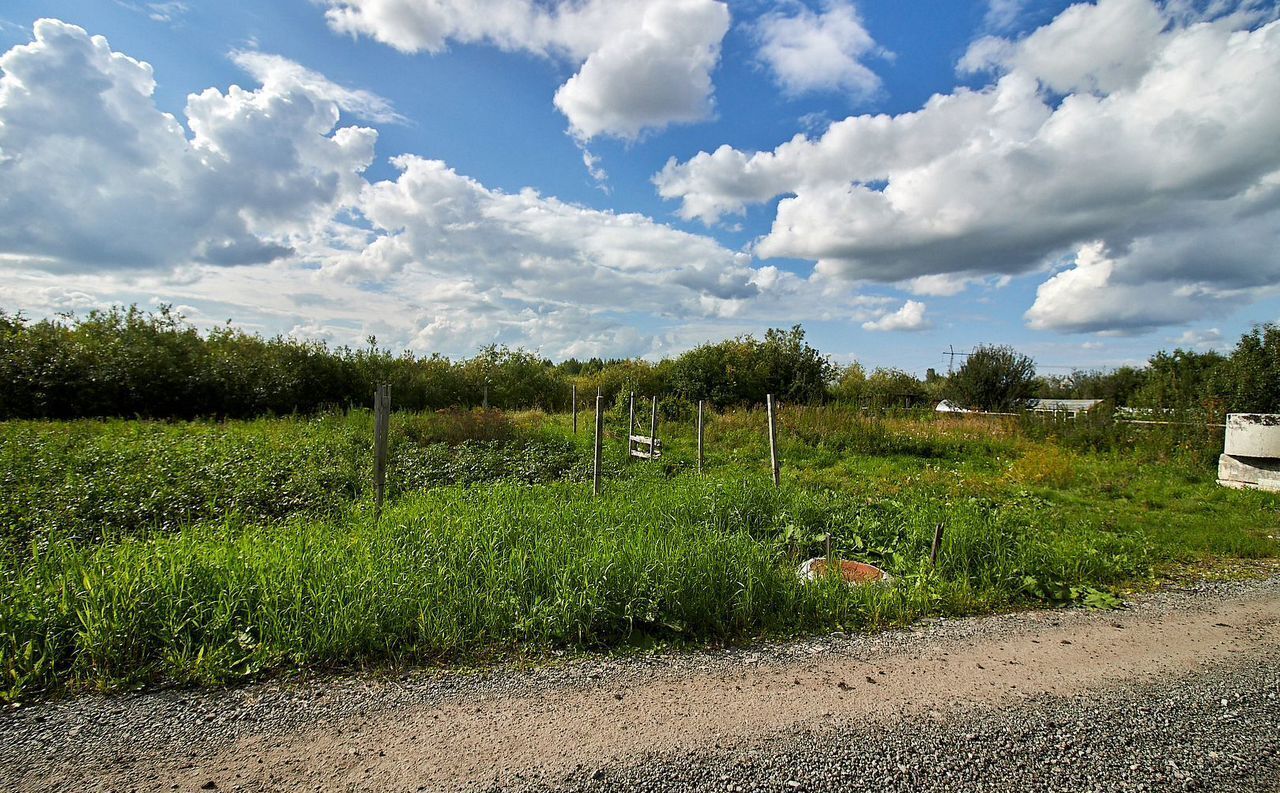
1177 692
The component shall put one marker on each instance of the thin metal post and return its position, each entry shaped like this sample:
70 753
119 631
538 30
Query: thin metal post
699 436
653 430
595 468
573 389
631 422
381 423
773 441
937 546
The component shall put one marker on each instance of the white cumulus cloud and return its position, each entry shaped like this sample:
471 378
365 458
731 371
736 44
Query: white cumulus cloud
95 176
909 317
1207 339
808 51
1120 132
642 64
941 285
1002 14
108 200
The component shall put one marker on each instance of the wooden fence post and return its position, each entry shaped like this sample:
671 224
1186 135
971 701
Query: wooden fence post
773 441
595 468
573 399
381 423
653 430
699 436
937 546
486 395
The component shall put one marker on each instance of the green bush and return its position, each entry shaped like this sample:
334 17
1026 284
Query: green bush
993 378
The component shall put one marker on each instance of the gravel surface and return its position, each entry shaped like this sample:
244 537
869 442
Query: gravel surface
1217 731
1171 731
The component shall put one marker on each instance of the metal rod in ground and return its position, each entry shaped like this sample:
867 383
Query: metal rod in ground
773 441
377 452
937 545
381 423
573 400
653 430
699 436
595 468
631 423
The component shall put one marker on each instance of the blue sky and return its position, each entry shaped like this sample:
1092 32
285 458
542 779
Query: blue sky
1088 184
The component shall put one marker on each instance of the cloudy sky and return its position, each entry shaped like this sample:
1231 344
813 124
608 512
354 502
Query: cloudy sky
1087 182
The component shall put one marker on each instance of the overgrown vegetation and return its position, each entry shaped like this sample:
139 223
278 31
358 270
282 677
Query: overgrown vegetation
142 552
86 480
129 363
139 549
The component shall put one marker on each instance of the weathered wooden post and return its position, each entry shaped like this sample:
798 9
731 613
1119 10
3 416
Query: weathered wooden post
486 394
653 430
573 399
381 423
595 468
773 441
937 546
699 436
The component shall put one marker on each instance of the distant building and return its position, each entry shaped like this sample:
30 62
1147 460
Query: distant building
1071 407
1137 414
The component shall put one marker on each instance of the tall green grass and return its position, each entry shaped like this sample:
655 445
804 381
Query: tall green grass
94 479
462 571
207 552
1189 437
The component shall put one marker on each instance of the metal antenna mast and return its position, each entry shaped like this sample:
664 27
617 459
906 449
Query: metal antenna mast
951 352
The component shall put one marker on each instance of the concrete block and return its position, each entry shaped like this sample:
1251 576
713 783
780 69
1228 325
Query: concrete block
1253 435
1253 472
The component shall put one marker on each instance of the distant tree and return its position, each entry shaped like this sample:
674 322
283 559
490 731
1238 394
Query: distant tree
935 385
1182 380
131 362
793 370
1250 377
1116 386
849 383
514 378
742 371
1054 386
994 378
888 387
618 378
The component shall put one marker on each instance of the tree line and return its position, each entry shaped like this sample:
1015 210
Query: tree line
1244 380
154 364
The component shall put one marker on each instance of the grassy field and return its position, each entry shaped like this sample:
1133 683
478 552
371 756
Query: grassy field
139 552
